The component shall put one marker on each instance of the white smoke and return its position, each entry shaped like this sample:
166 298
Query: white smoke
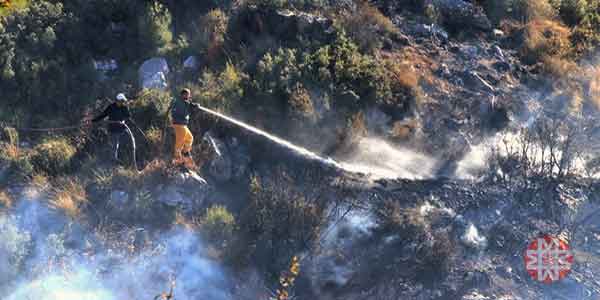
379 159
43 256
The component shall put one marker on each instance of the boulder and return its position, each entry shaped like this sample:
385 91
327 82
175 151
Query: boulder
462 14
431 31
118 198
284 24
191 63
153 73
105 67
187 191
230 159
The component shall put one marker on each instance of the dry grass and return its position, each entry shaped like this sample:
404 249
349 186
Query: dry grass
366 24
69 198
9 152
5 200
404 73
558 67
212 31
545 39
402 130
530 10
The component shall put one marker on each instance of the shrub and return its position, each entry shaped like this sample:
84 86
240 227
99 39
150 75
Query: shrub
586 34
10 135
21 168
150 108
5 200
53 156
223 91
155 137
8 152
300 105
558 67
154 28
367 25
545 38
217 224
571 11
211 34
69 198
278 222
531 10
8 6
523 11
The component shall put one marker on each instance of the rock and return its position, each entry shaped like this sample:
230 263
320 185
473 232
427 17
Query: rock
501 66
498 53
230 159
119 198
498 33
470 52
191 63
444 71
172 196
188 191
153 73
462 14
285 24
104 67
432 31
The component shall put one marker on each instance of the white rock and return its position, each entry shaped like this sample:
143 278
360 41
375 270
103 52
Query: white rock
191 63
153 73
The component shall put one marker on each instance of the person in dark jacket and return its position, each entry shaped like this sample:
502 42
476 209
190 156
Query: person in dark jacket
181 110
118 114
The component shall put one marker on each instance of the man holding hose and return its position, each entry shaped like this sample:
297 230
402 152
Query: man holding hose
181 109
117 113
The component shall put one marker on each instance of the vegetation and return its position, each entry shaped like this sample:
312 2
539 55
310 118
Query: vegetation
218 224
53 156
321 82
69 198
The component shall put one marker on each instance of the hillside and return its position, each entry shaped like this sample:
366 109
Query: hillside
344 149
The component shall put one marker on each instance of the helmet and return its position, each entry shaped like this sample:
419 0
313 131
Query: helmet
121 97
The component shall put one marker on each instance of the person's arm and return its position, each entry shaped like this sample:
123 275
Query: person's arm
103 115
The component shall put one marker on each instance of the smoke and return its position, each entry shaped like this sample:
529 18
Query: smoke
379 159
44 256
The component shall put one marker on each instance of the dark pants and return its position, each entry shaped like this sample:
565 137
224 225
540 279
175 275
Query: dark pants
116 138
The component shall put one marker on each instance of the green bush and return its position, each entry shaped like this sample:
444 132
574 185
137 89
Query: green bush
53 156
586 33
217 224
300 105
367 26
210 35
155 28
545 39
278 222
222 91
21 169
150 108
